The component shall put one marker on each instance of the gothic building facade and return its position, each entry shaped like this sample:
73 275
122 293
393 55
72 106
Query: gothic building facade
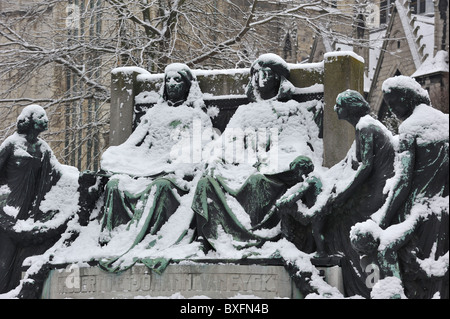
399 37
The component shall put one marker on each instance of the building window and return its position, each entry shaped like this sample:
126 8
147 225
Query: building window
413 6
421 6
396 42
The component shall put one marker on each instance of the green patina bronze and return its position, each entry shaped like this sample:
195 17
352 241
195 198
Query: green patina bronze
258 196
374 165
27 173
396 187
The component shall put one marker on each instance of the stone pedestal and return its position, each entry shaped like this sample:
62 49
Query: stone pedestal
215 281
333 276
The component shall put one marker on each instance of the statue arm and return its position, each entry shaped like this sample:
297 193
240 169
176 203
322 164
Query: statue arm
404 173
310 183
299 215
388 250
298 194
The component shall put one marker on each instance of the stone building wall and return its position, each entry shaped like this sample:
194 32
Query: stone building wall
396 59
437 87
405 52
72 137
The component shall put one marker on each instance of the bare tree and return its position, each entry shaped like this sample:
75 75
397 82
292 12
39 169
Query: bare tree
58 53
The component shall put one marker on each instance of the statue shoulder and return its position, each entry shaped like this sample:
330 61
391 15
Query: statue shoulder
11 142
45 148
6 146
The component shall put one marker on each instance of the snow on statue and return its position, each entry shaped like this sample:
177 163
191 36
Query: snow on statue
254 161
152 172
38 196
410 231
176 190
352 190
153 178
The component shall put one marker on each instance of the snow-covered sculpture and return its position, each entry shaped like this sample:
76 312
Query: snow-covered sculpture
352 190
158 164
410 232
304 194
254 156
269 79
37 195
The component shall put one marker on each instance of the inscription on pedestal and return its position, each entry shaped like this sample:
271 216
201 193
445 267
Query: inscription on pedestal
214 281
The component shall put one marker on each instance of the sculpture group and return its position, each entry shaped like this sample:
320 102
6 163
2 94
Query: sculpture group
177 181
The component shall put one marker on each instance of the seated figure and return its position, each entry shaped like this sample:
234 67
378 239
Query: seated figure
250 165
412 228
303 195
156 166
33 187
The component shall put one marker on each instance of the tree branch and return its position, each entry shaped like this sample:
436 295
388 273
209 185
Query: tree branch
220 47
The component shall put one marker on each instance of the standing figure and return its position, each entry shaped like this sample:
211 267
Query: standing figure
28 171
355 198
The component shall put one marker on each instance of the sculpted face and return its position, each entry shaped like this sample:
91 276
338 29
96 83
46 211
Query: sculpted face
300 167
351 106
33 118
399 103
268 82
176 88
40 122
341 110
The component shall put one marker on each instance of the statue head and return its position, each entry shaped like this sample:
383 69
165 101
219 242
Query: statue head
300 167
365 244
33 118
267 76
351 106
402 94
177 83
365 237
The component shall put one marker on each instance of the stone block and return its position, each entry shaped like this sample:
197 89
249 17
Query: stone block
341 72
306 75
122 105
212 280
333 276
